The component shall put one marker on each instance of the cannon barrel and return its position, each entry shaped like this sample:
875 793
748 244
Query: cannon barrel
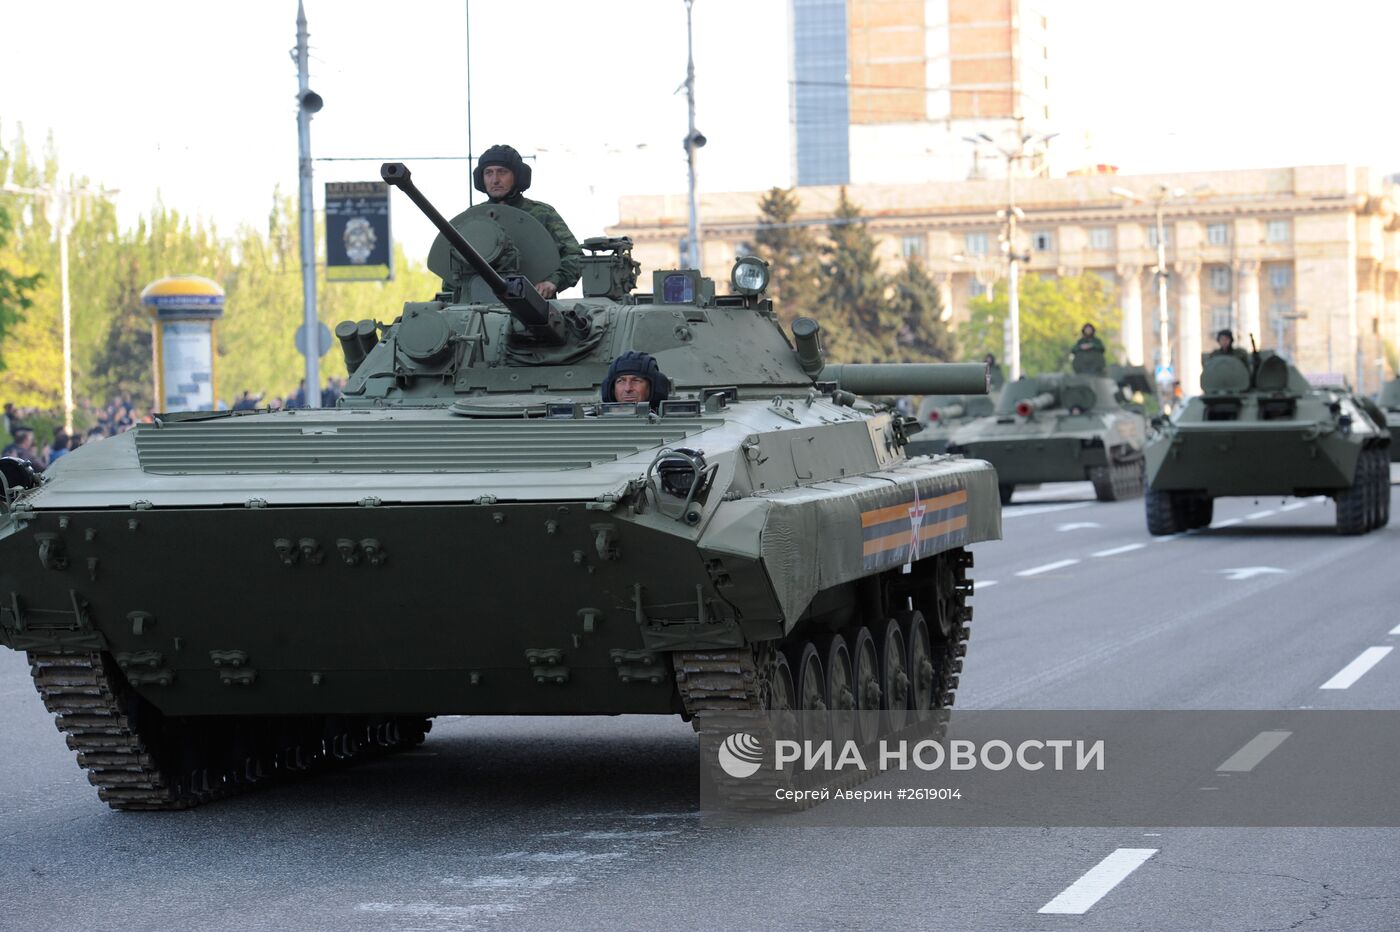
910 378
1040 402
947 412
519 296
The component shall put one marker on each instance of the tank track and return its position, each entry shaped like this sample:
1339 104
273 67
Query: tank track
724 691
1120 479
140 759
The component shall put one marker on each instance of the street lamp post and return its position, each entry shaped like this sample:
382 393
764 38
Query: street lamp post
1009 216
64 198
1160 195
694 139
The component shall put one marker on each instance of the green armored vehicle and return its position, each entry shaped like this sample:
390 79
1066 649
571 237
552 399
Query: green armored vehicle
942 415
1063 427
1389 401
217 600
1259 428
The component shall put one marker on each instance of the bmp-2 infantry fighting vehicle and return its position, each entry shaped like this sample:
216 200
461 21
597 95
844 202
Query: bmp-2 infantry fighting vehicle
1390 403
1063 427
213 601
1259 428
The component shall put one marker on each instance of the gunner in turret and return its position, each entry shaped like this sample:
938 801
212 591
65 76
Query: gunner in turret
1087 354
501 174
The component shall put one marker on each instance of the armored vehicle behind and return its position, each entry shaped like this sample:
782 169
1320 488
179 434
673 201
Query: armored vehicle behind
1061 428
1259 428
1389 402
941 415
217 600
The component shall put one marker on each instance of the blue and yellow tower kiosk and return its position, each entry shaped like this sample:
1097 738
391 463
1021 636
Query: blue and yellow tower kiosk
184 310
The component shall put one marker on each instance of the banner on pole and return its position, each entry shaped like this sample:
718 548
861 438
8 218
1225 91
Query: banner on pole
358 244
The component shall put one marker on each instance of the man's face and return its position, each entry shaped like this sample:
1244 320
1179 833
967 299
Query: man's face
631 388
1226 341
1087 331
498 180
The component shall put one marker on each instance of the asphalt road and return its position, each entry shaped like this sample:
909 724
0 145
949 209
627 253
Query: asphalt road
592 823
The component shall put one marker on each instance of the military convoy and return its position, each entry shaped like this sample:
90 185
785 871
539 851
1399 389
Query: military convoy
1061 427
941 415
1259 428
217 600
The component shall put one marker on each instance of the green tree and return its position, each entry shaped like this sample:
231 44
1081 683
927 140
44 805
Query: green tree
792 253
854 311
921 334
15 286
1052 311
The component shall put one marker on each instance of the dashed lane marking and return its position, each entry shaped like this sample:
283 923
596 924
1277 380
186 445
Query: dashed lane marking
1395 630
983 584
1266 513
1114 551
1079 896
1230 522
1048 567
1357 668
1023 512
1258 748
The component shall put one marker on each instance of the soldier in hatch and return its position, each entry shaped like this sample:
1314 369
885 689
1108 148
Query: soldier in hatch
634 377
501 174
1087 354
1225 346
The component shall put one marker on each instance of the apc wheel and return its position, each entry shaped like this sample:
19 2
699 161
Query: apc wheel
923 676
1006 492
781 698
1351 507
1199 511
865 676
1383 485
894 676
840 688
1163 515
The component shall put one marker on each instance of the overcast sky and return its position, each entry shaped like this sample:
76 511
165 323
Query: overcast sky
196 101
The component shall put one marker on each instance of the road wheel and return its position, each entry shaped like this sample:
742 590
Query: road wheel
865 678
810 682
923 676
840 688
1105 489
1383 485
1006 492
1199 510
894 676
1162 513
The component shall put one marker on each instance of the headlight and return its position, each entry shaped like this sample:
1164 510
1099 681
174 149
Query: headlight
750 275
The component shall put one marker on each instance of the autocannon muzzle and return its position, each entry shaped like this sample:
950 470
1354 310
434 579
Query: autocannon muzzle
1028 406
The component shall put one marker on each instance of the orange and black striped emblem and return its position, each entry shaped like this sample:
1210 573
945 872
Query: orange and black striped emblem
915 526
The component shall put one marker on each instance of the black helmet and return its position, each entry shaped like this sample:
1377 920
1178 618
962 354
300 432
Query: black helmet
633 362
1226 333
1089 327
502 155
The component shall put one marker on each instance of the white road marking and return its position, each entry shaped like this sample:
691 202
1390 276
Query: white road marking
1057 565
1357 668
1294 507
983 584
1009 513
1258 748
1079 896
1114 551
1395 630
1076 525
1166 537
1249 572
1266 513
1231 522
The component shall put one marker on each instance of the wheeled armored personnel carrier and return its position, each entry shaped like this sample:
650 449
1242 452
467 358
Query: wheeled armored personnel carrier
1389 402
214 601
1259 428
1062 427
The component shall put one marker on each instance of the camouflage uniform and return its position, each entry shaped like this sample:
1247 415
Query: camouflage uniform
570 254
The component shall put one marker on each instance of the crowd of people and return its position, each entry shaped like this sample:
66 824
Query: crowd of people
121 414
